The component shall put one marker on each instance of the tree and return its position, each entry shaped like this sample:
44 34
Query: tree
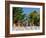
18 14
34 18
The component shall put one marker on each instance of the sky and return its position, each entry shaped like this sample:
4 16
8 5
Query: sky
29 10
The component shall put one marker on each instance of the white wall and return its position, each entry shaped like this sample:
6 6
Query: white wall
2 20
28 0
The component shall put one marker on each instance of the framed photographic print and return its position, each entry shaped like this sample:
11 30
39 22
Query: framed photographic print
24 18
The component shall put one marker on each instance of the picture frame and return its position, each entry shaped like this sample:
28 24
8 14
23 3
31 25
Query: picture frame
9 5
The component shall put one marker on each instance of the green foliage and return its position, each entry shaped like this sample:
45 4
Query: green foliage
34 17
18 14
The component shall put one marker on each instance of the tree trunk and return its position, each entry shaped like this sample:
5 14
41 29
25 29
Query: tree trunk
18 23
